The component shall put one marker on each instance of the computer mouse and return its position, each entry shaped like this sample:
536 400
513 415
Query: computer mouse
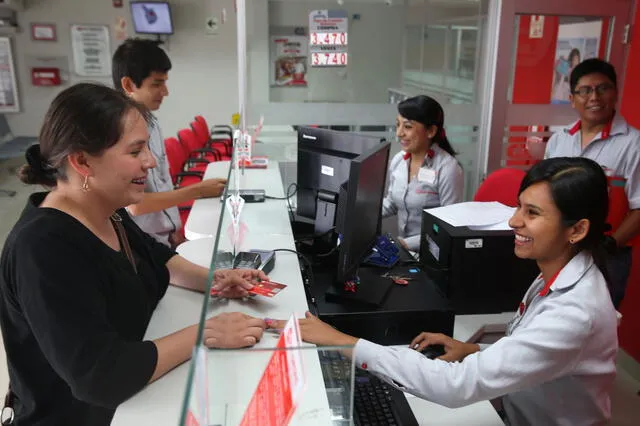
433 351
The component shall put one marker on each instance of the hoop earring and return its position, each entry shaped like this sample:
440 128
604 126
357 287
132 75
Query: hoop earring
572 241
85 184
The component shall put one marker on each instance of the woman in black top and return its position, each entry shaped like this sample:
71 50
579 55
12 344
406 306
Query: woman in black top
74 301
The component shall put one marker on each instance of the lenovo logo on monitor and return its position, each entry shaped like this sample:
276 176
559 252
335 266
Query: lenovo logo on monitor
313 138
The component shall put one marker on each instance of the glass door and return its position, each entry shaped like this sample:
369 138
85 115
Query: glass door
538 43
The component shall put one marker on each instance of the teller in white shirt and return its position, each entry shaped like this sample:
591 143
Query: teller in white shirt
556 364
425 173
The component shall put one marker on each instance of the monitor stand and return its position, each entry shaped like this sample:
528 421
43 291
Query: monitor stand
326 206
370 292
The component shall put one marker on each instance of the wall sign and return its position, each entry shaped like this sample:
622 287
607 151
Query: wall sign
536 28
121 28
43 32
328 38
575 43
91 51
288 60
45 77
8 87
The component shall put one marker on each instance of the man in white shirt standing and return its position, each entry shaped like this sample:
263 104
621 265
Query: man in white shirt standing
140 69
604 136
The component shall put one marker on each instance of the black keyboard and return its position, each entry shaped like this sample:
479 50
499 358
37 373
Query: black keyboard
374 402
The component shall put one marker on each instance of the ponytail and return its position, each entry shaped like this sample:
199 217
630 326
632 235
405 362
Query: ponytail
443 142
600 254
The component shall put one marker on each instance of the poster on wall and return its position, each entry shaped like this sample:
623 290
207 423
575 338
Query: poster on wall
120 27
289 61
328 38
576 42
8 87
91 51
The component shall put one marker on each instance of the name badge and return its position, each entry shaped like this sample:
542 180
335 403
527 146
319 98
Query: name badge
427 175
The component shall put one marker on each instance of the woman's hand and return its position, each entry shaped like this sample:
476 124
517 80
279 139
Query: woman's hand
454 349
236 283
315 331
232 330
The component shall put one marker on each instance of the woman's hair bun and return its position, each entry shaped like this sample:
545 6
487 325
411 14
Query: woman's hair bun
37 170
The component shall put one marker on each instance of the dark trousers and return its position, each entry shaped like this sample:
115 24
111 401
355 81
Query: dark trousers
619 267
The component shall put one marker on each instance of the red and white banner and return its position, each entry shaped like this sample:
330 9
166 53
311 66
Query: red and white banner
282 384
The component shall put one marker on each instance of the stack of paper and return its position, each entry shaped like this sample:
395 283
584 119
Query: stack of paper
480 216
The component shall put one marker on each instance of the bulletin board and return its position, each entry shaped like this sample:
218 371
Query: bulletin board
8 87
91 50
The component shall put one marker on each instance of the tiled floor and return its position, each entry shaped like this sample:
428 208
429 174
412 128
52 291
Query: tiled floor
625 400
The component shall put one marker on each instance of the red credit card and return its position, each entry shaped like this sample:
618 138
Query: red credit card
263 288
267 288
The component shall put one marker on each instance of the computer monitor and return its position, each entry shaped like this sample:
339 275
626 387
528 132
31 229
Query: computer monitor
324 164
150 17
360 208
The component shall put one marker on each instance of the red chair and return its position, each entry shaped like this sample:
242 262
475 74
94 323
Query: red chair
189 139
191 163
502 186
204 138
216 129
178 161
218 133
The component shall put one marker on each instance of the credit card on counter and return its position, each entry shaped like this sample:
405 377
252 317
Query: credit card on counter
267 288
263 288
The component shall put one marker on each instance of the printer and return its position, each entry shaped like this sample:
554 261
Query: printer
477 270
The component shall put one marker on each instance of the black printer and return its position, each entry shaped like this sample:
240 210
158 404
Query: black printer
476 269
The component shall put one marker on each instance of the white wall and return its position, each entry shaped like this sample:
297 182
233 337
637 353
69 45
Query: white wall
375 53
258 51
204 75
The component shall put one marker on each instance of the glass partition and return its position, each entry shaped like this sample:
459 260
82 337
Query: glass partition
301 385
395 50
279 377
237 387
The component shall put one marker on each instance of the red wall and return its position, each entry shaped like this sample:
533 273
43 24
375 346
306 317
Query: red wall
629 332
532 56
534 63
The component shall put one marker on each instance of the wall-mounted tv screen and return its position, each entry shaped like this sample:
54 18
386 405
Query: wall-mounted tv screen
151 17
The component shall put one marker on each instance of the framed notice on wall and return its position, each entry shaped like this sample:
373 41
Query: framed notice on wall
8 86
91 51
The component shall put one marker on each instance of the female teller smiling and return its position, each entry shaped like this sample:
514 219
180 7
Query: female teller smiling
80 280
556 364
426 173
